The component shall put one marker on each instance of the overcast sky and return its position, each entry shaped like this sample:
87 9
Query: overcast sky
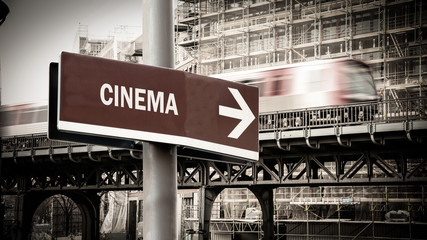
36 31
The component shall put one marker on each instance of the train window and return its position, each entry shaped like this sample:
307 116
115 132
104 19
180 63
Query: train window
360 80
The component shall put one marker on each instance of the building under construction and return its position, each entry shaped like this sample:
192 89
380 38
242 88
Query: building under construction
218 36
123 44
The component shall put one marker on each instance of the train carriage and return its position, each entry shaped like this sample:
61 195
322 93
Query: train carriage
309 84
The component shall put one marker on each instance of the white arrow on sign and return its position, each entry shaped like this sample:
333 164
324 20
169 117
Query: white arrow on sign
244 114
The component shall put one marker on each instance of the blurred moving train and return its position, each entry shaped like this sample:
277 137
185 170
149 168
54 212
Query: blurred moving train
23 119
295 86
309 84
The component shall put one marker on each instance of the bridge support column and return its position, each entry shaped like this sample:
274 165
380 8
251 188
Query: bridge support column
89 203
207 199
25 207
265 198
1 217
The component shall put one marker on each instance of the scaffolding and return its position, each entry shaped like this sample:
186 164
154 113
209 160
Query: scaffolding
356 212
326 212
218 36
122 44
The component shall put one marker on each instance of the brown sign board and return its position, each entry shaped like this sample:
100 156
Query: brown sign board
118 100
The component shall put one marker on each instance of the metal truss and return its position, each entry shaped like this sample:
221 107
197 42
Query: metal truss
108 169
235 225
101 168
356 168
384 148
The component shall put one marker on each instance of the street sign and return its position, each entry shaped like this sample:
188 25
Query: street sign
118 100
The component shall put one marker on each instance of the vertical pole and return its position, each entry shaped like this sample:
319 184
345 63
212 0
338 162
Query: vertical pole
159 160
1 194
423 202
202 198
373 220
420 40
160 191
158 33
307 226
339 221
132 219
410 218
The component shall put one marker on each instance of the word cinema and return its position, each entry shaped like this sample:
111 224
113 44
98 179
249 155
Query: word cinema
138 98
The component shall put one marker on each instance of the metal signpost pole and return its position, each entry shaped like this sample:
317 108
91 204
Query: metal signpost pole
159 160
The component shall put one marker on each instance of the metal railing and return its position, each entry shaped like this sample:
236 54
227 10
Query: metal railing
32 142
388 111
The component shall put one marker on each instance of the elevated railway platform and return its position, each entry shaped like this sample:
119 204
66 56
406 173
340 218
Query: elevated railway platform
360 143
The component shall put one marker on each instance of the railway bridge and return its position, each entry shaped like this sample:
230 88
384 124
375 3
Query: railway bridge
376 143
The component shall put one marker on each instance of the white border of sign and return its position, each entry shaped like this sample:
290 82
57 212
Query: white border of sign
156 137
